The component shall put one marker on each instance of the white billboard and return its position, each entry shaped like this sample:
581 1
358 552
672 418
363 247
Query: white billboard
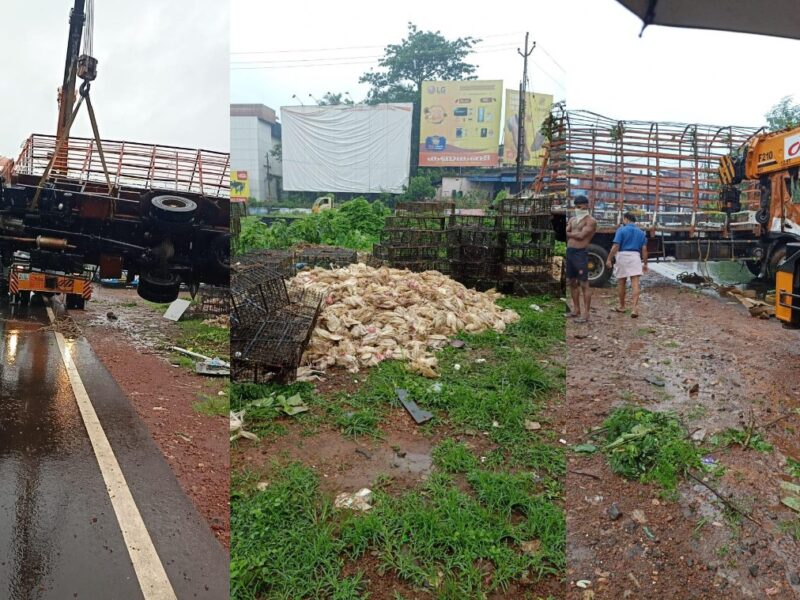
354 148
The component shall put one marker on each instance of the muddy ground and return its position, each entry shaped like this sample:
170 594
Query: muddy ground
134 346
748 372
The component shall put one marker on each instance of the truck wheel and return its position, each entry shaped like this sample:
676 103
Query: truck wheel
24 298
75 302
158 287
599 273
775 259
173 209
221 253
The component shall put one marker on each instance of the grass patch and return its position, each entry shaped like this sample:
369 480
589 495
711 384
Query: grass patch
358 423
284 543
454 457
745 439
213 405
793 467
204 339
290 543
648 446
791 527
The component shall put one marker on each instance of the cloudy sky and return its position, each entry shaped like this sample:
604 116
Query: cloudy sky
162 73
587 51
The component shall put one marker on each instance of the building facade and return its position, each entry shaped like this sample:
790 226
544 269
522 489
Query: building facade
255 134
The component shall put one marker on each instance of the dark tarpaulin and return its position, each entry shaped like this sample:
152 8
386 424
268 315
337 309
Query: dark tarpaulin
779 18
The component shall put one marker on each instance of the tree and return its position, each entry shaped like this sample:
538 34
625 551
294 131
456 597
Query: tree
330 99
419 188
783 115
421 56
277 151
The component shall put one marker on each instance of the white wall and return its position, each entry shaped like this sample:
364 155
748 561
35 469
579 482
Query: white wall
251 141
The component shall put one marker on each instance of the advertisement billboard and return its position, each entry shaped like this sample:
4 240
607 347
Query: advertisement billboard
460 123
240 186
354 148
537 108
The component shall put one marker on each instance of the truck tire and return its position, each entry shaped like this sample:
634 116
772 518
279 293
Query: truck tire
599 273
24 298
173 209
75 302
158 287
777 256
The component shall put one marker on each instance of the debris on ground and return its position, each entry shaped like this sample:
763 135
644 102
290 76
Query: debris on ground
206 365
236 427
371 315
218 321
420 416
175 310
359 500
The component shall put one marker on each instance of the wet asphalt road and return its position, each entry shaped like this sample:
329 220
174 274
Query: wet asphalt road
59 536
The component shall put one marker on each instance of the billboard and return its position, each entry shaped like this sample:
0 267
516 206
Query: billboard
346 148
460 123
537 108
240 186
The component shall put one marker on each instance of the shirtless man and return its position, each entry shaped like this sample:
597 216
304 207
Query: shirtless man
580 230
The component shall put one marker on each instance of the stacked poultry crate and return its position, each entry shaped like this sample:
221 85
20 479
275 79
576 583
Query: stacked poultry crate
282 261
327 257
511 248
417 237
270 325
528 246
212 301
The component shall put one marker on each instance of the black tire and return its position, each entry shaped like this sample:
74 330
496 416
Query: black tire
753 266
75 302
777 256
24 298
221 253
173 209
599 273
161 288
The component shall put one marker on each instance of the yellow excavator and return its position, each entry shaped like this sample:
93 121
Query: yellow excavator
773 159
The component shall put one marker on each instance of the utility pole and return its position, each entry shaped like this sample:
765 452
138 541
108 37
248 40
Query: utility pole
523 88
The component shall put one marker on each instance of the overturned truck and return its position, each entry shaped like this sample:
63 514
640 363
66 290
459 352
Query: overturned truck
158 212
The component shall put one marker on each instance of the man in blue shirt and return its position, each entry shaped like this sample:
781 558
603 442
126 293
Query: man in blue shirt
630 250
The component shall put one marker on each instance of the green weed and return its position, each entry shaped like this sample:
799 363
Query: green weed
453 457
745 439
212 405
648 446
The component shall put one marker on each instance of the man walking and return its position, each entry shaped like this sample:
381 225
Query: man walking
630 250
580 230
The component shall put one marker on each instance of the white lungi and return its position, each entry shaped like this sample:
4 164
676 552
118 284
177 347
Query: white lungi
629 264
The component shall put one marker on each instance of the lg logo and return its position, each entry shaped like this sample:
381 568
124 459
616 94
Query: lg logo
791 147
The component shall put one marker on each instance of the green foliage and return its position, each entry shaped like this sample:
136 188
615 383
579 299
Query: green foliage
454 457
331 99
745 439
648 446
360 422
783 115
419 188
204 339
420 56
793 467
213 405
284 544
355 224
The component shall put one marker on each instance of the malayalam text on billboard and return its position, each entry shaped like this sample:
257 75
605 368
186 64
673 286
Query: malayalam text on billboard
537 108
460 123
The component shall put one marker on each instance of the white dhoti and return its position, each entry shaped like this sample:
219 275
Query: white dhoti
629 264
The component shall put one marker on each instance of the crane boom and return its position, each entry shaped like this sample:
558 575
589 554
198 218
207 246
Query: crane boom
77 19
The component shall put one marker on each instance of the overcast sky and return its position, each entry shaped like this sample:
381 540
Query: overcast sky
162 74
587 50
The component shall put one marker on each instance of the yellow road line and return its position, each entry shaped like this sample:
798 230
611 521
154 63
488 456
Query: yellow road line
153 580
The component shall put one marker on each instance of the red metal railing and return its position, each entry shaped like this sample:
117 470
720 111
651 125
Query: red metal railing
665 172
132 165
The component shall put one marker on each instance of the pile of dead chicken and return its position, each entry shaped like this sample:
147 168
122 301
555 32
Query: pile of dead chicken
370 315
